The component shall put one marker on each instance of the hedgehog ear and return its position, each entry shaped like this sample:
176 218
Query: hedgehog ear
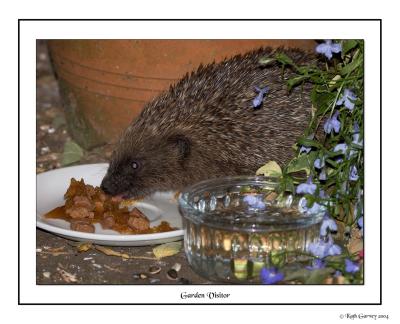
182 143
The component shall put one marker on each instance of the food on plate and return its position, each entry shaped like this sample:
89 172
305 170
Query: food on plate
86 205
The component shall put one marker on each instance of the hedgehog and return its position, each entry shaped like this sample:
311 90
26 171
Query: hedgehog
224 119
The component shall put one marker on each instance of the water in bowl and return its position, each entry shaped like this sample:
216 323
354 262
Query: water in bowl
233 241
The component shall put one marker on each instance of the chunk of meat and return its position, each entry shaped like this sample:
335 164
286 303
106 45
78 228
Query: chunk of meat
82 201
138 221
137 213
86 205
102 196
77 212
82 226
116 199
90 190
98 207
108 220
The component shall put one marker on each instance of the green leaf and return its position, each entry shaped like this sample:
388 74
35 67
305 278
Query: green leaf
284 59
72 153
277 258
335 258
316 79
295 81
304 69
351 66
310 200
309 277
303 162
318 276
321 100
348 45
309 142
287 184
300 275
332 163
167 249
246 189
356 146
334 81
271 169
266 60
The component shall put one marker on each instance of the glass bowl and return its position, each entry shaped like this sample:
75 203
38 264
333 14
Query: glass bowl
235 226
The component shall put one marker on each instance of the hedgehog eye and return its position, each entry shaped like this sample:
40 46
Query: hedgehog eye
135 165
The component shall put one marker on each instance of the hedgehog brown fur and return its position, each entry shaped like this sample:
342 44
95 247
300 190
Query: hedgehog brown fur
205 127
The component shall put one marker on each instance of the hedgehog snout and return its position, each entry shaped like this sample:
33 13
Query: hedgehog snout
108 186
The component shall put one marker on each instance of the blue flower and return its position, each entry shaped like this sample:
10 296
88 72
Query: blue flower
322 248
314 209
351 267
270 276
356 128
319 163
328 48
318 249
338 274
340 148
322 175
305 149
334 249
348 99
360 223
359 213
257 101
307 188
327 223
356 135
316 264
356 139
353 176
254 201
332 124
322 194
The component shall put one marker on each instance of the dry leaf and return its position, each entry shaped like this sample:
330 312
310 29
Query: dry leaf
50 249
108 251
355 245
112 269
111 252
83 247
174 199
66 276
54 253
271 196
46 274
167 249
72 153
271 169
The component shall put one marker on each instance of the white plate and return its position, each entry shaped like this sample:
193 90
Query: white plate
52 185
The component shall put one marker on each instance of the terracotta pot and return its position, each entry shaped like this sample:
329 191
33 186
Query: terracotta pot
105 83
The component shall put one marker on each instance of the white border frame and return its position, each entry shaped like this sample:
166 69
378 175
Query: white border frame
32 30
